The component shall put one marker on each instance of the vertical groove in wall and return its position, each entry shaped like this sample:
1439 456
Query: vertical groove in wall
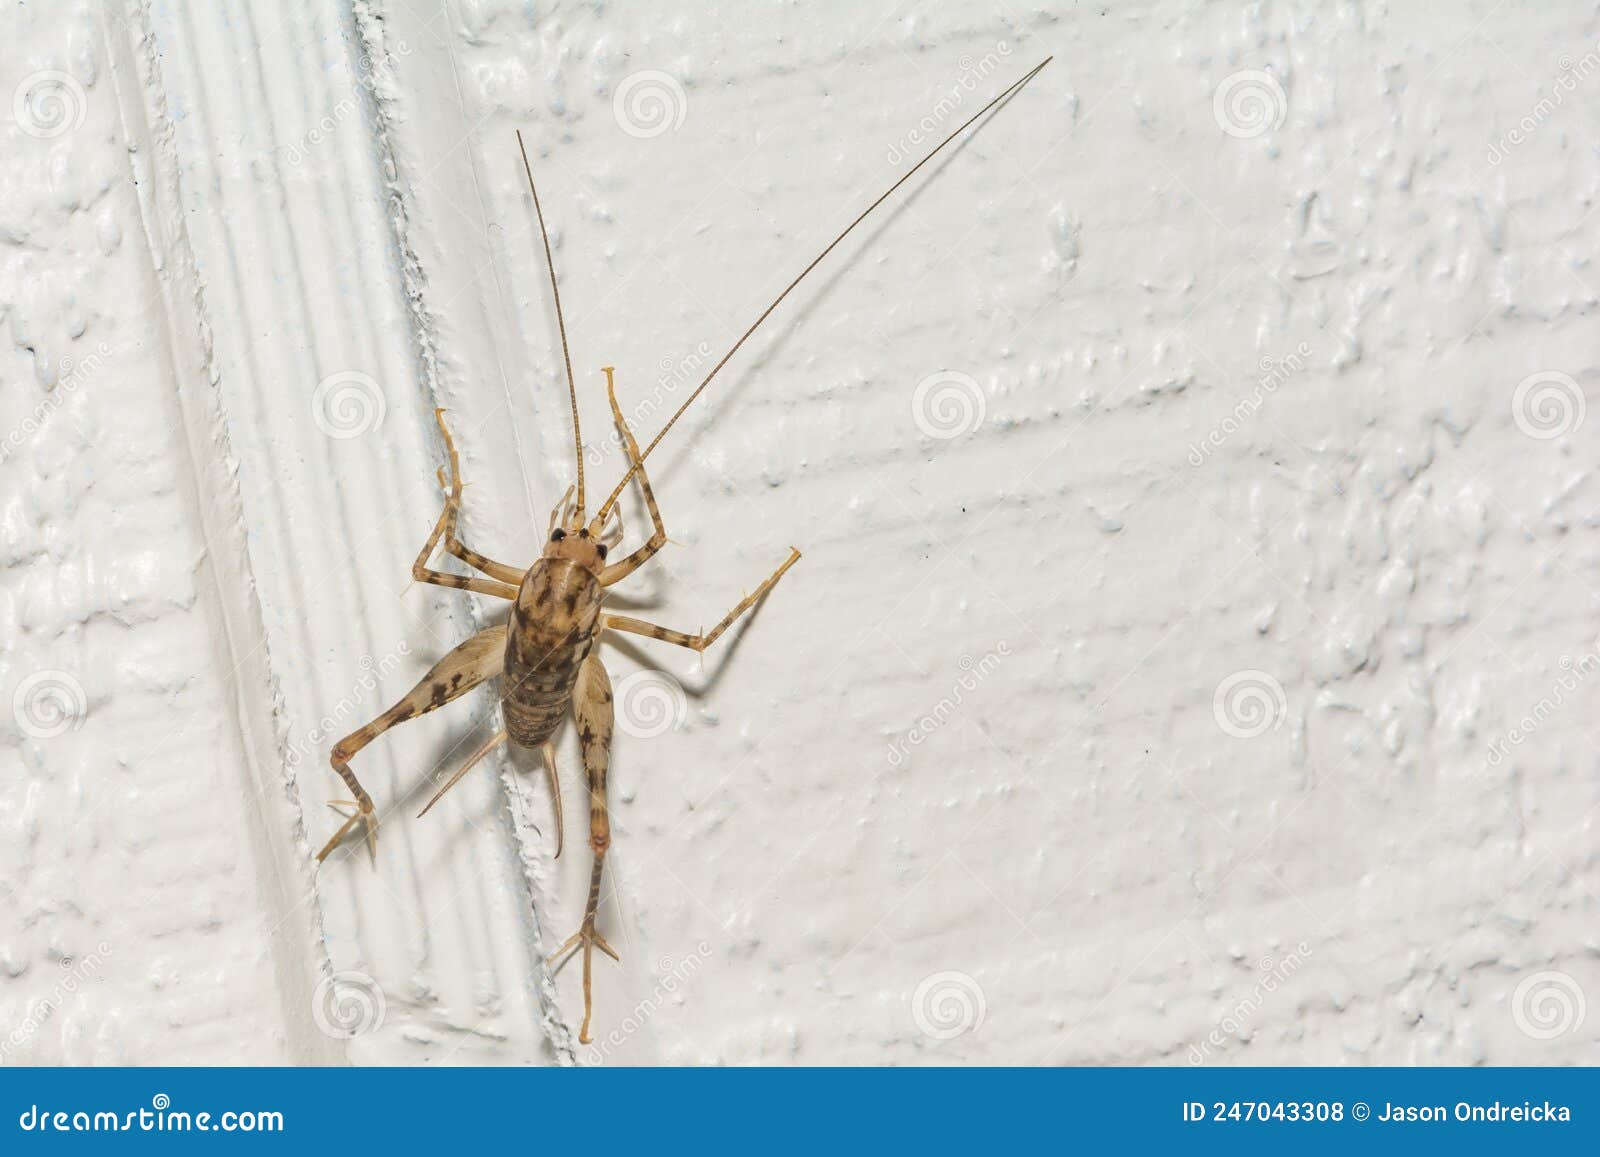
429 955
428 156
232 607
141 909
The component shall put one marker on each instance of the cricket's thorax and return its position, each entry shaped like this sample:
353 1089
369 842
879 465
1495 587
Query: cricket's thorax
553 626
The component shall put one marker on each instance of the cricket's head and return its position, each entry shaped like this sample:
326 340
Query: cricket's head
577 546
573 539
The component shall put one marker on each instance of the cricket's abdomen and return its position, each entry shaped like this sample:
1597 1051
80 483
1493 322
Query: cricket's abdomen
552 629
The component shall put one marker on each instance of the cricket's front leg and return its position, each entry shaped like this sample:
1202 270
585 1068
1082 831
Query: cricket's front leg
591 706
622 568
502 581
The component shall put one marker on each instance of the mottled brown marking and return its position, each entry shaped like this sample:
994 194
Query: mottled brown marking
552 631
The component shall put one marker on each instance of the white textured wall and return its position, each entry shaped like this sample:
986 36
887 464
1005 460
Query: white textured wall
1193 655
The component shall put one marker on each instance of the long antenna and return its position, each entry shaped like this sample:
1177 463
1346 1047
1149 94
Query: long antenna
561 322
605 507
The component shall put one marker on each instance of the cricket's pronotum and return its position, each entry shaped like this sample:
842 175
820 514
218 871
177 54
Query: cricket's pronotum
545 653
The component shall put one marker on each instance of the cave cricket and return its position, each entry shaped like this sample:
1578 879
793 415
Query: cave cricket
545 655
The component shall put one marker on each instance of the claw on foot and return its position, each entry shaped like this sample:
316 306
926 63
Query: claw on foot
359 813
589 939
586 936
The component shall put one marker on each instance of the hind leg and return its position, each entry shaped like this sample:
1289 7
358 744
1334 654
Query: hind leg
591 705
479 659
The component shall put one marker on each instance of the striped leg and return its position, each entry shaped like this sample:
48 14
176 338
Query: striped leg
479 659
591 704
702 640
624 567
503 579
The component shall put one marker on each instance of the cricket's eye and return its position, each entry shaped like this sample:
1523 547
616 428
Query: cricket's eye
557 534
600 548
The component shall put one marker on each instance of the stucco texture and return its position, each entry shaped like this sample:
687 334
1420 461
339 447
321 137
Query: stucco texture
1194 655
